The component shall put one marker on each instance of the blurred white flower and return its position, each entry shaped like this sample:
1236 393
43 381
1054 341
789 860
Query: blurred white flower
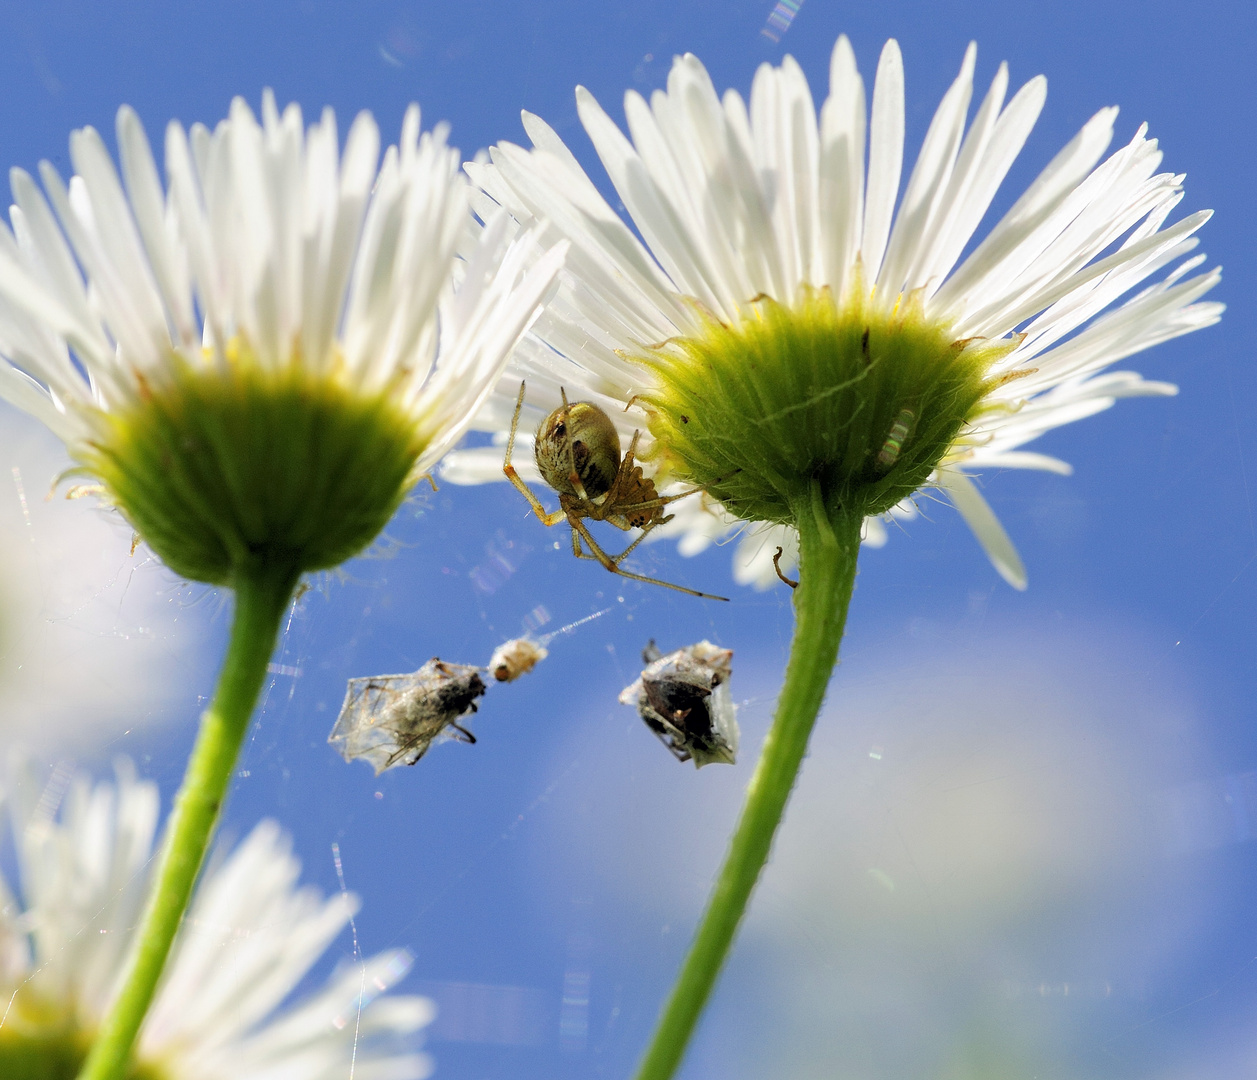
89 631
250 936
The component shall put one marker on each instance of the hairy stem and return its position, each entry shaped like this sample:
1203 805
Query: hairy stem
828 546
262 595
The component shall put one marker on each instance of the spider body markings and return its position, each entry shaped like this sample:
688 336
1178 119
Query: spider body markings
577 450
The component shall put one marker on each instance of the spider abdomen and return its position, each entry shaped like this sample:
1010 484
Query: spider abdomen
578 437
637 489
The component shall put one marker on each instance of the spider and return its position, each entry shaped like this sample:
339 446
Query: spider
577 449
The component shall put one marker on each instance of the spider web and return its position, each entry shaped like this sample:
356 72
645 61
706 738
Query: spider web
565 854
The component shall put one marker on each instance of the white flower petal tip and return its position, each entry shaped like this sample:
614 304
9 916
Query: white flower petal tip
223 1011
1024 459
979 516
874 534
481 465
731 200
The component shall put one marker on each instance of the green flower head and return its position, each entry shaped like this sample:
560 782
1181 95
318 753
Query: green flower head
862 402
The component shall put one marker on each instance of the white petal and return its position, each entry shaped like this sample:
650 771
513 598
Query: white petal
1030 211
885 158
981 519
149 204
841 179
927 183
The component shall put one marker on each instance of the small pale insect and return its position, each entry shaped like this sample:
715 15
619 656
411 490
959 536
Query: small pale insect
516 657
899 432
684 699
392 720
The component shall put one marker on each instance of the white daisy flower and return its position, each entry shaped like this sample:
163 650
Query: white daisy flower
770 231
250 936
261 359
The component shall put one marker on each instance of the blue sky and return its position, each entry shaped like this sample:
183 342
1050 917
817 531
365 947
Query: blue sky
1042 778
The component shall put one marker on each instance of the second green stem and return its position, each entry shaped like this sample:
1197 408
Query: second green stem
262 595
828 549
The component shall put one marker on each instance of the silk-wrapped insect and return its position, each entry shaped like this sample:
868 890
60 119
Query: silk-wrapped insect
684 699
392 720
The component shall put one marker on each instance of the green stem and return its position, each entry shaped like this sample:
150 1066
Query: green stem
262 595
828 548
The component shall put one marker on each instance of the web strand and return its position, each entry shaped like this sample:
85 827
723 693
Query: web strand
362 968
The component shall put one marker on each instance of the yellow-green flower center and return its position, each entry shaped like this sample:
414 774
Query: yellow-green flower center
863 403
220 467
40 1042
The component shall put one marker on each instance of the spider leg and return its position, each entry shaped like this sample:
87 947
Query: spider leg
632 450
609 563
629 550
665 499
623 525
662 500
537 507
519 405
624 509
610 508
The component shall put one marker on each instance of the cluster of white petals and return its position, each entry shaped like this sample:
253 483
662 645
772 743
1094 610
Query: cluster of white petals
266 235
735 203
250 935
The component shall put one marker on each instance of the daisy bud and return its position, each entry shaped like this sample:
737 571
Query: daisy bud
223 466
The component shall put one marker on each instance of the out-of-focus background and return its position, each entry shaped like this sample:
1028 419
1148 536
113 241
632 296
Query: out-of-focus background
1025 843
